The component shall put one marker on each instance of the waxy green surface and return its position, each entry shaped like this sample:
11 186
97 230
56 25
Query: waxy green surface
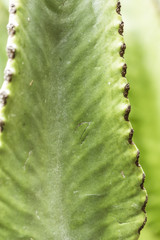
67 169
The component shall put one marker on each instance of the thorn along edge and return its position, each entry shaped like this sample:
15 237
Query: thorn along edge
126 90
118 9
11 29
127 111
12 8
130 136
11 52
122 50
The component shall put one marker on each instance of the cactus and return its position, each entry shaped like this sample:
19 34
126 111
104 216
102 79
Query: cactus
68 166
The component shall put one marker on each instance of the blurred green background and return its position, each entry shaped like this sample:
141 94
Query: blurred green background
3 36
142 37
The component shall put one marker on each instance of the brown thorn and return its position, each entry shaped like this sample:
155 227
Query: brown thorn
3 97
126 115
139 230
126 90
121 28
118 9
1 125
144 205
122 50
8 75
124 70
143 180
130 136
11 29
12 8
137 161
11 52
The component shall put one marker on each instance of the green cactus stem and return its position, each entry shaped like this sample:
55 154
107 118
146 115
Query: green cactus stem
69 168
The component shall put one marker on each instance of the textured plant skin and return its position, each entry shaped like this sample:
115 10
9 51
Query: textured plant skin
69 167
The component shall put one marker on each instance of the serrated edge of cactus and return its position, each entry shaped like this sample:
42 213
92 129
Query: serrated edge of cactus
11 52
127 112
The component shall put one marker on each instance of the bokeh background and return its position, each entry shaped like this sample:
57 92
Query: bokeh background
142 37
3 35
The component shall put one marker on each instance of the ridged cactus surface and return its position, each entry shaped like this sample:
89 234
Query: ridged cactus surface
68 166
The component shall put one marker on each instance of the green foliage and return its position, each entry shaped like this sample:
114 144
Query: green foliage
67 158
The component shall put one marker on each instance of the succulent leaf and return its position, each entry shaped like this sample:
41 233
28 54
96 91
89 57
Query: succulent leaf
68 163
